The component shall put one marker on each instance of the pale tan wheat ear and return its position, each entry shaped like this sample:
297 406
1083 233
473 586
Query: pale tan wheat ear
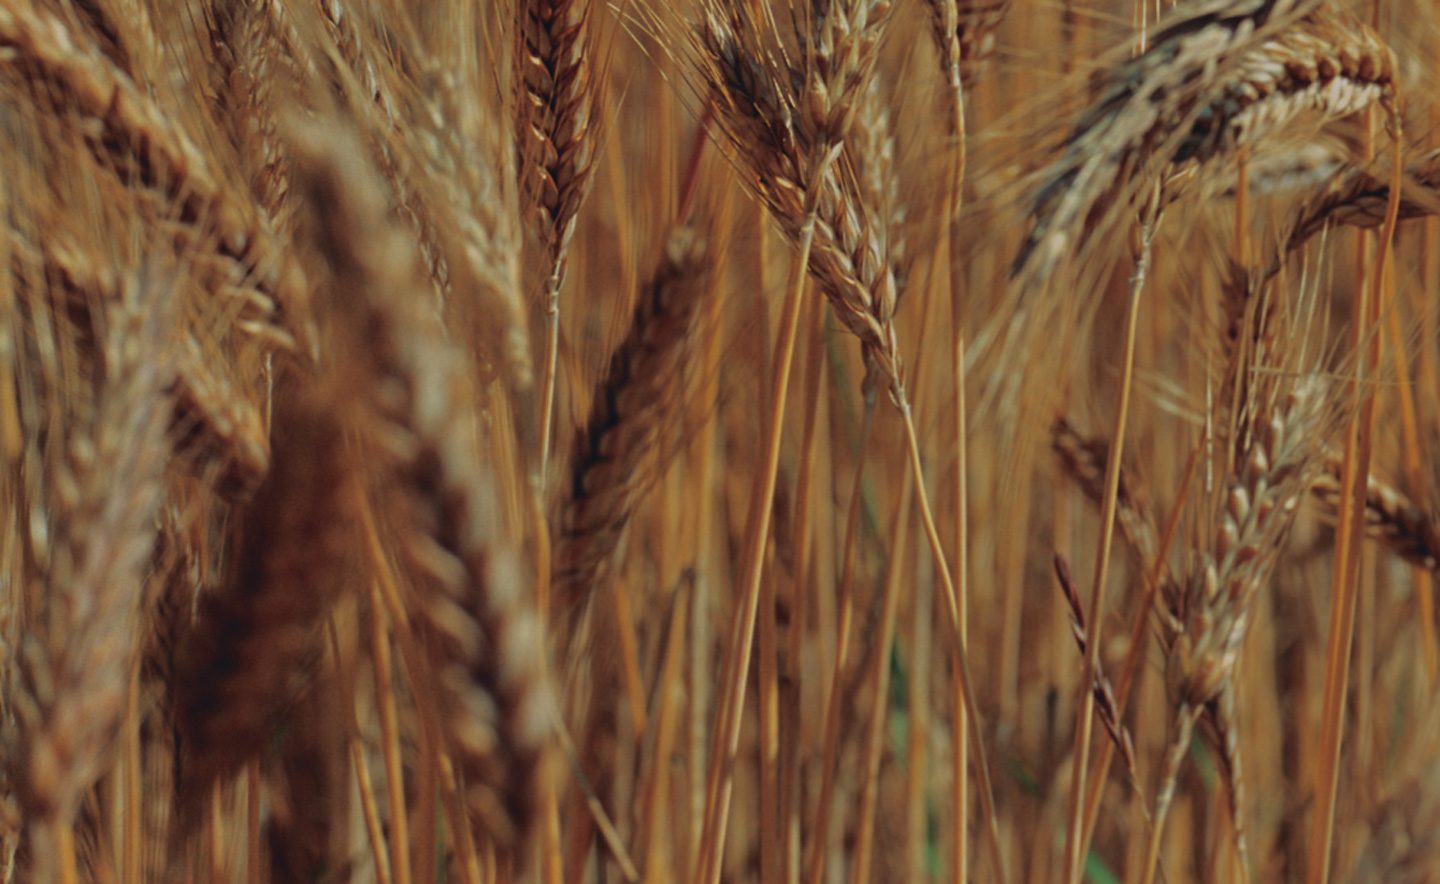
557 129
478 623
248 656
1205 616
68 683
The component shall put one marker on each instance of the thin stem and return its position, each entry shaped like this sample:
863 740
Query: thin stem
1083 735
820 826
720 781
552 362
962 665
1185 724
875 733
1344 591
960 859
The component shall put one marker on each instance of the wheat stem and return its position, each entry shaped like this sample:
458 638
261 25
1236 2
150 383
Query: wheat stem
727 738
1102 564
1346 574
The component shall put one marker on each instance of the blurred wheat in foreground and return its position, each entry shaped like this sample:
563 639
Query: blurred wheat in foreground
725 440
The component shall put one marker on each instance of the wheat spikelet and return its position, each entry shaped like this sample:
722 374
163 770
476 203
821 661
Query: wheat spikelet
482 633
69 681
615 459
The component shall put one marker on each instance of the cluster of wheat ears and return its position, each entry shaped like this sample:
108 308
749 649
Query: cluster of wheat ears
434 444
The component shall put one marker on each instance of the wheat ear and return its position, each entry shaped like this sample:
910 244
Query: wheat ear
1218 76
144 145
247 657
483 635
1205 617
73 668
555 110
628 411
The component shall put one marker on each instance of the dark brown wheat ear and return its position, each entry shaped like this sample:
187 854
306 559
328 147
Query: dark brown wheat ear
249 655
472 599
558 133
615 458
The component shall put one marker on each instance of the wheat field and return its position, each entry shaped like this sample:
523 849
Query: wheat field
570 441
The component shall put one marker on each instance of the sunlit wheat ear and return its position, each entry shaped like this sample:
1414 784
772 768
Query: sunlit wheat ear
775 118
618 457
556 116
69 681
472 600
255 640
